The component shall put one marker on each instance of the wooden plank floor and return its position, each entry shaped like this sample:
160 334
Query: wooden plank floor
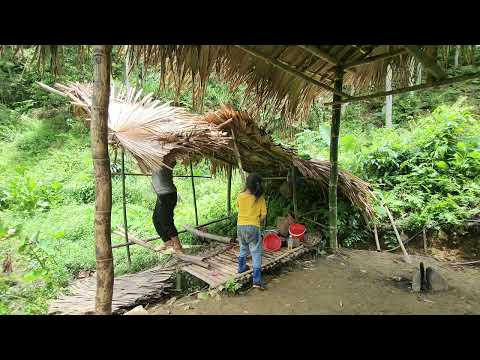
223 264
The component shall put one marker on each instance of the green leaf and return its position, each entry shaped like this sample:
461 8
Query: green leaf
442 165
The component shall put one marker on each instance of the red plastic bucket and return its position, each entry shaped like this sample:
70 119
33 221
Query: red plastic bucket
272 242
297 231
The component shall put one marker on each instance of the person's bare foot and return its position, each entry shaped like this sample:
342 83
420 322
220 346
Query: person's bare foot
177 245
166 245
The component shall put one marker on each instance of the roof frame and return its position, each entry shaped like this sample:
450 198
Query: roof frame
443 82
322 55
427 61
373 58
291 70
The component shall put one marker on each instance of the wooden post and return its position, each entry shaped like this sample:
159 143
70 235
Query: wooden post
103 181
229 190
124 201
194 195
332 187
294 193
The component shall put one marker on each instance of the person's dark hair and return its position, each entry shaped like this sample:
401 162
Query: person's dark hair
254 185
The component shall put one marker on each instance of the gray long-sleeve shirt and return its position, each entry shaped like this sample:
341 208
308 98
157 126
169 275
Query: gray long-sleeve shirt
162 181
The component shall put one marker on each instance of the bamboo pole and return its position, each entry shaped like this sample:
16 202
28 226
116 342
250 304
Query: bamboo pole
400 242
294 194
409 88
206 235
237 154
229 190
103 181
124 203
424 241
194 195
175 176
375 233
333 181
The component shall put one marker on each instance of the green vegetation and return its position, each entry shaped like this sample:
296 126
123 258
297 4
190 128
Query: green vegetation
426 169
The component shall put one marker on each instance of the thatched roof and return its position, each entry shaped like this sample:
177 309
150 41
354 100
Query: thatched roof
154 134
285 77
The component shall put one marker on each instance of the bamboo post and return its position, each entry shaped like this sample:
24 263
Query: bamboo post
332 187
103 181
229 190
124 201
194 195
294 194
179 280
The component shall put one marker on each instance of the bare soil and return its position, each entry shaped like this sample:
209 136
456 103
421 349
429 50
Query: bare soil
353 282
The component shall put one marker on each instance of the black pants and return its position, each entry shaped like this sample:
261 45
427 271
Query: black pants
163 216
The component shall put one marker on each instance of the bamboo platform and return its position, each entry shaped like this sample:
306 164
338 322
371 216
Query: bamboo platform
151 285
223 263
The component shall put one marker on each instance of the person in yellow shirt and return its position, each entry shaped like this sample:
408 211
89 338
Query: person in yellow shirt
252 210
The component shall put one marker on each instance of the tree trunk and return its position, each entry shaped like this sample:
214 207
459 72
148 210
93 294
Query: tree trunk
332 188
389 98
103 180
457 55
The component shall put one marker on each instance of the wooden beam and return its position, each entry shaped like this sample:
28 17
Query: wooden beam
292 71
102 66
320 54
407 89
427 61
373 58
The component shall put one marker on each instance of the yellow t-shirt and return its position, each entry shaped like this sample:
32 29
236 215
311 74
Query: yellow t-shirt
250 211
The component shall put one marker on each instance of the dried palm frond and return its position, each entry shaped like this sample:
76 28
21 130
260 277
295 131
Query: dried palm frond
153 133
157 133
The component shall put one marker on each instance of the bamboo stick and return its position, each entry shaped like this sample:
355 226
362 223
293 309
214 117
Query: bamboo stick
194 195
103 181
375 233
294 193
424 241
124 205
237 154
405 254
229 190
203 234
188 258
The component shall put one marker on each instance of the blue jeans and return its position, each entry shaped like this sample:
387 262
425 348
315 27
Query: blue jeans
249 239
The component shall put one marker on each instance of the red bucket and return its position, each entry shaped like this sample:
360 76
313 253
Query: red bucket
272 242
297 231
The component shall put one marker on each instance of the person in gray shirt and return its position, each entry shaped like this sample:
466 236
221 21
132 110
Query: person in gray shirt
162 182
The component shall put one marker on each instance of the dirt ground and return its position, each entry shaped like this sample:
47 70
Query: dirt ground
354 282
